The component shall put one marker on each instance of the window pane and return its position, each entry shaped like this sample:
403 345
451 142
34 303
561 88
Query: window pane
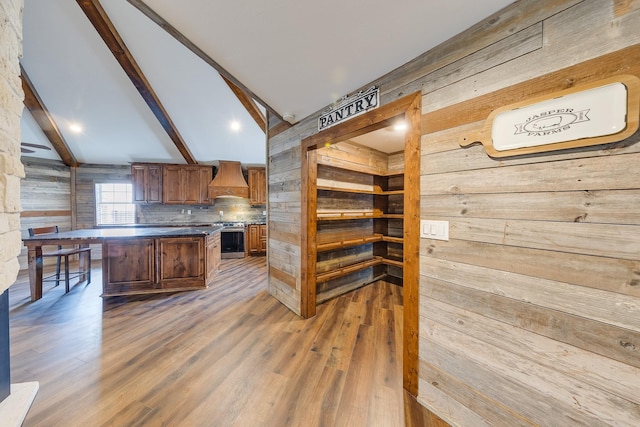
113 204
121 197
122 188
107 197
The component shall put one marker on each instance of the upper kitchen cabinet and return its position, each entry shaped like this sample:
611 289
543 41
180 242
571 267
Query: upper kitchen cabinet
147 183
186 184
257 185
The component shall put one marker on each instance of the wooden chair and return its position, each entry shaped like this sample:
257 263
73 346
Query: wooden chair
63 253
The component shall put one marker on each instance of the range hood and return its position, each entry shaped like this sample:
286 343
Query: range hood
229 181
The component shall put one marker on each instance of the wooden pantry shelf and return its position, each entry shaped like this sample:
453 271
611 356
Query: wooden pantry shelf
349 242
344 164
396 263
352 268
393 216
337 216
361 191
392 239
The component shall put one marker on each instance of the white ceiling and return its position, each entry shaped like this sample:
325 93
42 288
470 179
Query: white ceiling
297 56
388 140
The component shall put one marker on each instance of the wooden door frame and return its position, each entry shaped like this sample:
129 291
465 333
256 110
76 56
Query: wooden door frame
410 107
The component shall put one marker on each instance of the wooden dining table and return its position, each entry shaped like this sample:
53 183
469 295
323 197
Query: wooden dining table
34 245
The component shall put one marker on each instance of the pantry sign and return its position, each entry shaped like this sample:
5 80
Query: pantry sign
350 107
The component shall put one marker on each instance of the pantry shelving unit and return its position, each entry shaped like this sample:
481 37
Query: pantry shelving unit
358 223
355 230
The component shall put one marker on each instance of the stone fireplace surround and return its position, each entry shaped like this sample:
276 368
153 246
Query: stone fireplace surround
15 399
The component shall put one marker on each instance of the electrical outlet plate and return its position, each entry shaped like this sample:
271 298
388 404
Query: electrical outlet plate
438 230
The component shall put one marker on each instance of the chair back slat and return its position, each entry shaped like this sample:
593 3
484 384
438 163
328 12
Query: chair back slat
44 230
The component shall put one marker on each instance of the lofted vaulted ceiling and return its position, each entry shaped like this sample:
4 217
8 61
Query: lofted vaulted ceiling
209 63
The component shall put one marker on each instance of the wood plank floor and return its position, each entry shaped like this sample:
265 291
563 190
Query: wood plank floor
230 355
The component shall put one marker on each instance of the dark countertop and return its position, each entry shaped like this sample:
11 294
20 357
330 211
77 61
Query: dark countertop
100 234
152 225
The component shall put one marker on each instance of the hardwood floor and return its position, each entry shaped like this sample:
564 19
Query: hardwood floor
230 355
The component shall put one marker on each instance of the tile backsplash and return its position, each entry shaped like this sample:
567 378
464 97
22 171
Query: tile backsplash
223 210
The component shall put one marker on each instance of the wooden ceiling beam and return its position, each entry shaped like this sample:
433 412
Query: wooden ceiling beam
245 93
107 31
44 119
248 103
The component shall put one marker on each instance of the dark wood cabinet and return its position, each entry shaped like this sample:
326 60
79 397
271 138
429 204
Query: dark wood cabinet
213 258
257 239
257 185
205 175
186 184
181 262
129 266
147 183
263 238
160 264
172 184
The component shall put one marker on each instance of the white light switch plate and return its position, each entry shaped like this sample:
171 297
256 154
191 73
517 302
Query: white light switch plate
438 230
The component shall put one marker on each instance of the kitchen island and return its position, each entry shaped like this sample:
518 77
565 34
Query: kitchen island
139 260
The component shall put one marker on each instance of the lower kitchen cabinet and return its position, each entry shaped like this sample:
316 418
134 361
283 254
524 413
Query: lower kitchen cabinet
213 254
129 266
257 239
263 238
181 262
163 264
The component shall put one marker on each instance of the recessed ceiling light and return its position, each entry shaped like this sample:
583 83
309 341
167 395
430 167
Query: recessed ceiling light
400 126
75 128
235 126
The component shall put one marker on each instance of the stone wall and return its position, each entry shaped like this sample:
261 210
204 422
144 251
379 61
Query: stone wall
11 170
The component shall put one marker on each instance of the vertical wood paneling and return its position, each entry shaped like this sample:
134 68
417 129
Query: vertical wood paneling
411 246
308 199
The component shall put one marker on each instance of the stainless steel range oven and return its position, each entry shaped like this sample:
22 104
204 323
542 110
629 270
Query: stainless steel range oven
232 240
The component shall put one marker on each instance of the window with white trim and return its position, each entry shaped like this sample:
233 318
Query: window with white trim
114 204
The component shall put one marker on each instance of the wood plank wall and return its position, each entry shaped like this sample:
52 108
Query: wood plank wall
522 306
86 178
529 313
45 195
54 194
